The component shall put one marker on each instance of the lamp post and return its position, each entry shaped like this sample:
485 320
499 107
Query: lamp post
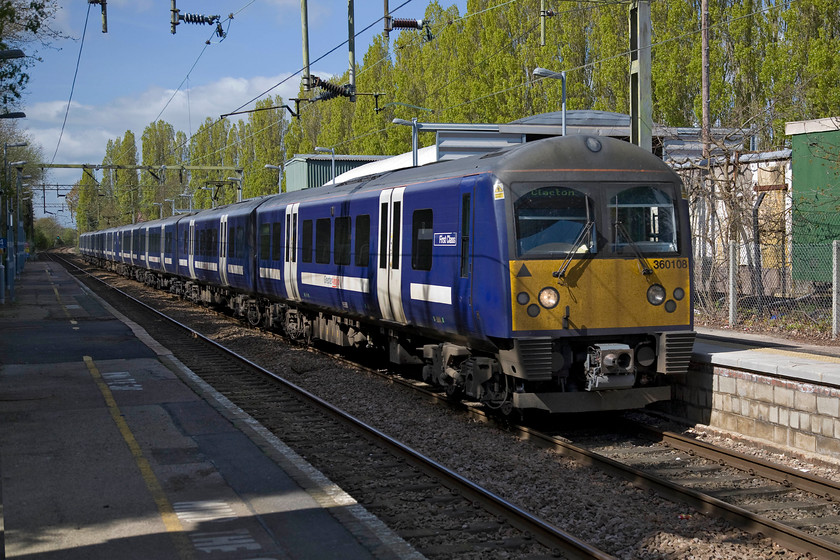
330 151
190 197
7 211
282 169
238 181
212 198
17 227
172 200
414 139
159 205
543 73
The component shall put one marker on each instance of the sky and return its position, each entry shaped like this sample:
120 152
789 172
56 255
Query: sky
139 72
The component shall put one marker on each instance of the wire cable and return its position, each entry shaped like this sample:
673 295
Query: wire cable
73 86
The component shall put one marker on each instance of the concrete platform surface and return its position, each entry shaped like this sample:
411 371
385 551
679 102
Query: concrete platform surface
111 448
809 363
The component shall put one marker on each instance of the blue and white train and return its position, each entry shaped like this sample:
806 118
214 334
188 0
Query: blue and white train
554 275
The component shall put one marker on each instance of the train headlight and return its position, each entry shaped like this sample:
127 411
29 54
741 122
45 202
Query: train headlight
549 298
656 294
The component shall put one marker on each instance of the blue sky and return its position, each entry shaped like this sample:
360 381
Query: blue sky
139 71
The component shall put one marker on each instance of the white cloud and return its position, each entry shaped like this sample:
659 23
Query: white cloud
89 127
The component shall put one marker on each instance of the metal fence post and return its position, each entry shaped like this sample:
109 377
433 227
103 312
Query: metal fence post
733 284
835 290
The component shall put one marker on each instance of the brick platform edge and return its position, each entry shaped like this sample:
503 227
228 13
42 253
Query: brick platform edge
783 412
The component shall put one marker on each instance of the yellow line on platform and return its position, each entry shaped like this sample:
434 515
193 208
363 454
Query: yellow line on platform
167 512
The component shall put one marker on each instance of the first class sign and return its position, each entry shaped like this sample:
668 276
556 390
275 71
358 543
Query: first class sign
448 239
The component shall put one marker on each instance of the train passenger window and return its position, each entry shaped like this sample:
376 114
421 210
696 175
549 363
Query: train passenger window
383 235
288 236
214 243
231 242
265 241
550 220
168 242
323 226
240 242
422 237
276 238
643 216
362 247
395 236
342 240
306 241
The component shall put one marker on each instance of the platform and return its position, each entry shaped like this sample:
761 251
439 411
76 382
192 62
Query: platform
760 353
111 448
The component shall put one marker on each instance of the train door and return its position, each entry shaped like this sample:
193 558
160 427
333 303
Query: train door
191 253
290 264
389 273
144 247
162 248
223 233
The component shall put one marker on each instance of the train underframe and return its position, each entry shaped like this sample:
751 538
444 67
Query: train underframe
553 375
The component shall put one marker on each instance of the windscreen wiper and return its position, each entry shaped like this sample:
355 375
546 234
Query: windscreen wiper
646 269
561 272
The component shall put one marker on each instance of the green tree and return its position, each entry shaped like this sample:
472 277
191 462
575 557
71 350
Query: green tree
160 148
22 24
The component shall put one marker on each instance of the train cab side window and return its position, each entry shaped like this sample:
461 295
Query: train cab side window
465 235
265 241
643 216
322 240
342 240
422 237
362 247
276 241
306 241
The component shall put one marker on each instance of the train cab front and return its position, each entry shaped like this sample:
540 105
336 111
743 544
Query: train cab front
600 291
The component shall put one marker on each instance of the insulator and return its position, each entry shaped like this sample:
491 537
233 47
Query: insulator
402 23
199 18
330 90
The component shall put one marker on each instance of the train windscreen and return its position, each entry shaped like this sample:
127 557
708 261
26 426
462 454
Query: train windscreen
643 216
552 220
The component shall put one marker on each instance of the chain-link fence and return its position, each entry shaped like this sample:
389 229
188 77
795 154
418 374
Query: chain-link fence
770 288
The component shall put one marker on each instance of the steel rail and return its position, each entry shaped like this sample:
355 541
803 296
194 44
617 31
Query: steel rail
786 476
740 517
543 532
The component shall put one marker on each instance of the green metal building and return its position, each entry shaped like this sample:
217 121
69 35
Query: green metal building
815 190
306 171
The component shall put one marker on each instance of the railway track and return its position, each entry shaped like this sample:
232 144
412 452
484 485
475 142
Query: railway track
797 510
793 509
439 512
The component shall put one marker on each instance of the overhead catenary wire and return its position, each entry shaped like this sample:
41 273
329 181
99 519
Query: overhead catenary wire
72 86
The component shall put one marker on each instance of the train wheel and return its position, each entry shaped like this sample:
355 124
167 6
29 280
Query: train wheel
254 315
454 392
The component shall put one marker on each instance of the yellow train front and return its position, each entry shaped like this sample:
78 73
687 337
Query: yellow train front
598 255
